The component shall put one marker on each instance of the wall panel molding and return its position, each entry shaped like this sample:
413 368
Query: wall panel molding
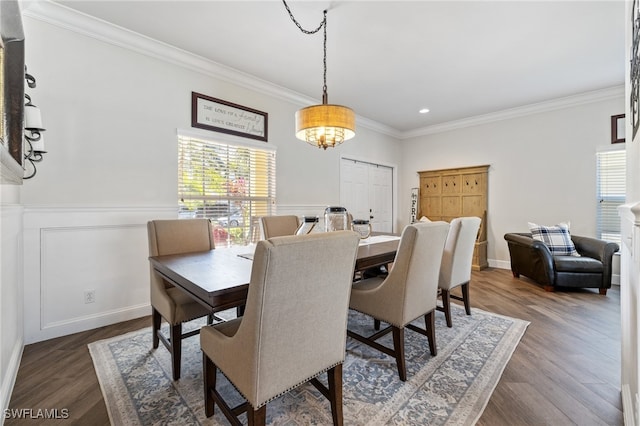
71 250
302 210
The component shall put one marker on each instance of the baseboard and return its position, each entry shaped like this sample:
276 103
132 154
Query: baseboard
628 408
64 328
10 375
500 264
615 268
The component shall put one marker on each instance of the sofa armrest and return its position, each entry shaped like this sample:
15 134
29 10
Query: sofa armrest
600 250
530 257
594 248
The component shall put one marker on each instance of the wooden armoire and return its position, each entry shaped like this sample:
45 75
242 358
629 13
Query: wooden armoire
449 193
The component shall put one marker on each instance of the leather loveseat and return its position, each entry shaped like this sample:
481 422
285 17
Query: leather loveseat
533 259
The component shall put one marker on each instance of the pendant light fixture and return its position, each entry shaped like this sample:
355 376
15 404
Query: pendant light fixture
324 125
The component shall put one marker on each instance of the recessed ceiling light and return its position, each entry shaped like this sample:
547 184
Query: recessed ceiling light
424 110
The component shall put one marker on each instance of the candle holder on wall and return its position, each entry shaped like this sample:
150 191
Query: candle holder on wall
33 138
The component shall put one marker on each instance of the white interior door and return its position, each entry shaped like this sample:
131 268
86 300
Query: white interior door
366 190
381 198
354 188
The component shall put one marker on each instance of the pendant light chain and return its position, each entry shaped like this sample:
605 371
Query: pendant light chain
324 60
324 125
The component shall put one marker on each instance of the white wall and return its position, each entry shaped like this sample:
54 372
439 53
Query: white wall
542 170
111 115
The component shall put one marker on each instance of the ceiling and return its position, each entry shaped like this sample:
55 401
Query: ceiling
388 59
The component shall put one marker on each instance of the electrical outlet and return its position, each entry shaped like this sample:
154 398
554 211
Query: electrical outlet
89 296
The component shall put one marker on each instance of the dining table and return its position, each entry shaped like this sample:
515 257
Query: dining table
219 278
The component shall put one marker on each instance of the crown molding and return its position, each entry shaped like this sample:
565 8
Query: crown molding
551 105
378 127
81 23
72 20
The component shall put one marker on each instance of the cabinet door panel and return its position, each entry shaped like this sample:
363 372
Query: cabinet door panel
451 206
473 205
430 206
451 184
430 185
473 184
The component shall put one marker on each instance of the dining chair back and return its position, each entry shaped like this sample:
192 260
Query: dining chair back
173 237
456 263
278 226
293 328
407 293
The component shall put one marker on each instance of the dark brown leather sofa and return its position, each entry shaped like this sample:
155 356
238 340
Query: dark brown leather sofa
533 259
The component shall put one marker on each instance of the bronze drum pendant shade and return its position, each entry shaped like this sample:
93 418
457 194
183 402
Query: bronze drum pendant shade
325 125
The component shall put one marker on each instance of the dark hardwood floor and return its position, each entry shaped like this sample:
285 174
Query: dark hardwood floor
565 371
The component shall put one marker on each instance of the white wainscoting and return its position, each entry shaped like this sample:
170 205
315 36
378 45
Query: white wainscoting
69 251
629 318
11 313
302 210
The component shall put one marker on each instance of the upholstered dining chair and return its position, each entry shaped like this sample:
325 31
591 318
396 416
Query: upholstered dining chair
457 257
293 328
278 226
173 237
407 293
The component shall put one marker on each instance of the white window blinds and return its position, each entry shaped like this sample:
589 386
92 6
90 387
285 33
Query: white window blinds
611 189
232 185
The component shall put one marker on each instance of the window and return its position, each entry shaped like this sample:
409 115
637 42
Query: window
232 185
611 189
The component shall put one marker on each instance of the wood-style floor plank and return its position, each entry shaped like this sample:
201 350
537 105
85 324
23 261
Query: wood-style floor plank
565 371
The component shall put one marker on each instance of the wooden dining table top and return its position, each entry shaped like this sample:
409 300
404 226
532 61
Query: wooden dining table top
219 278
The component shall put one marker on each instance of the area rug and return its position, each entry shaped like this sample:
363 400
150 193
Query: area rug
451 388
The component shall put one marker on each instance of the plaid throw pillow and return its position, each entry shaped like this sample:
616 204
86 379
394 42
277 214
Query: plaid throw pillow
557 238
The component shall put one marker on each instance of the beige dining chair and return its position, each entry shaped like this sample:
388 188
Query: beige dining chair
174 237
278 226
455 269
293 328
407 293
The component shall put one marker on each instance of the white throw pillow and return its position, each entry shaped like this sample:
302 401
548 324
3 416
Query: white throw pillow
557 238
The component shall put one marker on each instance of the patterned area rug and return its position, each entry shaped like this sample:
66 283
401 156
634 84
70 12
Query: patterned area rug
451 388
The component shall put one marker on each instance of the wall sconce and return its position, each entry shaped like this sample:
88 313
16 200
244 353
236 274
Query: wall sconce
34 140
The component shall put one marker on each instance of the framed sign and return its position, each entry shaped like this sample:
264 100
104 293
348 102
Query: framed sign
226 117
415 196
617 128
